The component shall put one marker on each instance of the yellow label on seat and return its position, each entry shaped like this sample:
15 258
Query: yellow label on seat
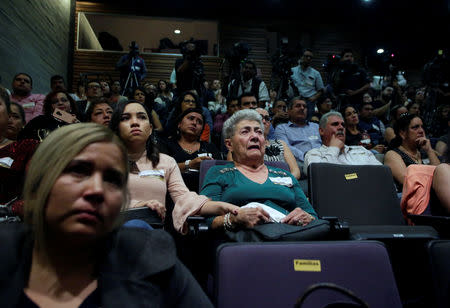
351 176
303 265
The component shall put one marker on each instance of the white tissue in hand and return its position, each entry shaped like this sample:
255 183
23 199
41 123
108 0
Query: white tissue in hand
275 215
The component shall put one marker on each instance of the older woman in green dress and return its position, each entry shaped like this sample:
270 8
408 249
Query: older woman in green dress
247 179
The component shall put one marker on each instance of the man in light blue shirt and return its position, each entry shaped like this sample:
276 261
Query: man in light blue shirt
308 81
299 134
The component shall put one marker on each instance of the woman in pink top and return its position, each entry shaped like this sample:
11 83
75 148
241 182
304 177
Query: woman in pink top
152 174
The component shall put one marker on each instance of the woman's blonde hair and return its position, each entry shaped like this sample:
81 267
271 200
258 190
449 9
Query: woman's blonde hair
49 161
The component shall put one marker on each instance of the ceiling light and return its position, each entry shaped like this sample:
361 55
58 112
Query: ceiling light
177 31
380 51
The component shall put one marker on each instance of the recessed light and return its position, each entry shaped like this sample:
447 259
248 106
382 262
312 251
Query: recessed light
177 31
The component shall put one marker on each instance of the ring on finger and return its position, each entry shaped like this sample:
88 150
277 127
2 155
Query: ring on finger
299 222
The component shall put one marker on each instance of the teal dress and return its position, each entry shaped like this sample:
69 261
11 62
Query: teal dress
226 183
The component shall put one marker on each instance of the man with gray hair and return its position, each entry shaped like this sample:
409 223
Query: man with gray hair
333 149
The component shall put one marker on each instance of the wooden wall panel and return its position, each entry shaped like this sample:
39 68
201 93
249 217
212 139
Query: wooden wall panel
256 37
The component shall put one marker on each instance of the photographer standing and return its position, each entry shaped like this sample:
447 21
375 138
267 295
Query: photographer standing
189 70
308 81
249 83
352 81
132 69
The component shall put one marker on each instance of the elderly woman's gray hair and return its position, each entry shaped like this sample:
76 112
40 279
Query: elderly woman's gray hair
324 119
229 127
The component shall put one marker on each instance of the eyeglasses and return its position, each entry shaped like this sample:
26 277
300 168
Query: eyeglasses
266 118
189 101
253 103
308 56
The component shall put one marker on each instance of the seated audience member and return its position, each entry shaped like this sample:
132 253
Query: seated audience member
14 158
232 107
106 89
280 114
186 100
247 179
153 174
33 104
140 95
41 126
57 84
324 105
16 121
100 112
371 124
353 135
187 149
299 134
333 149
442 145
218 106
414 108
410 146
277 150
165 96
395 113
71 251
116 96
81 90
93 92
273 99
440 125
247 101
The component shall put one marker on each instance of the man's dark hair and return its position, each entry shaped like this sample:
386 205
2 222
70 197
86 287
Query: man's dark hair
56 77
31 79
231 100
246 94
346 50
251 63
307 49
296 98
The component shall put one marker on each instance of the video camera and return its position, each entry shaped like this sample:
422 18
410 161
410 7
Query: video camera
134 49
191 54
331 63
237 54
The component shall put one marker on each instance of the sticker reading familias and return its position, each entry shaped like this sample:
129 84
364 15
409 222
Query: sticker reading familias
351 176
304 265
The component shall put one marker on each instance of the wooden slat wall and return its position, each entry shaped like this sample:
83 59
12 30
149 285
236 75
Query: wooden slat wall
256 38
159 66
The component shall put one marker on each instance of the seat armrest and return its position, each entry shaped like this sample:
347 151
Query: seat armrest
338 229
197 225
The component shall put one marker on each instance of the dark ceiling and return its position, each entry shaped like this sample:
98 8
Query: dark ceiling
412 28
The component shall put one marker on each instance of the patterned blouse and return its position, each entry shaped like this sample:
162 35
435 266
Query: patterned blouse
274 151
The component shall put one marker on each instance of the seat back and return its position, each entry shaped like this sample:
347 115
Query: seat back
277 274
206 164
359 195
439 252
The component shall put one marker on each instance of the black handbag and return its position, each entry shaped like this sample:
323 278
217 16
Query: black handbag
271 232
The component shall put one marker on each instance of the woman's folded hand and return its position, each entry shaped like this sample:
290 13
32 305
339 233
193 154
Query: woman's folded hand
154 205
298 217
250 217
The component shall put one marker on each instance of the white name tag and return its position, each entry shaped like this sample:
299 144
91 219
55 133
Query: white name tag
204 155
6 162
313 137
29 105
285 181
154 173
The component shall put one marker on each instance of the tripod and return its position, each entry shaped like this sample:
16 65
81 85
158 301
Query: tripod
132 82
